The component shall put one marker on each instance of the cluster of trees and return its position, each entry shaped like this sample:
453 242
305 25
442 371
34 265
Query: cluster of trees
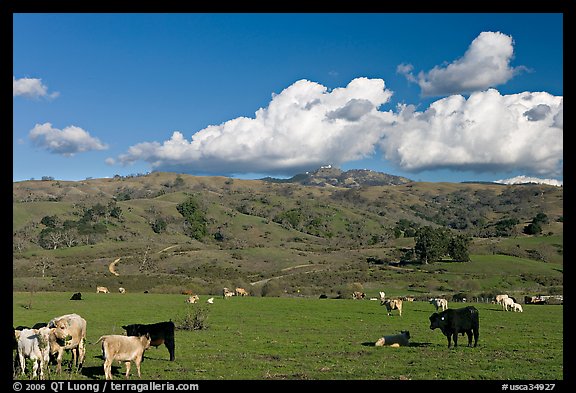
69 233
196 224
535 227
435 244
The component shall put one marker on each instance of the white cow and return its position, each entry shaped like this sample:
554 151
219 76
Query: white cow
508 303
517 307
500 298
211 300
102 290
34 344
439 303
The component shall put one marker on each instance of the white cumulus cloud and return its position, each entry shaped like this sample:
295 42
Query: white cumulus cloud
486 132
485 64
304 126
67 142
31 88
307 125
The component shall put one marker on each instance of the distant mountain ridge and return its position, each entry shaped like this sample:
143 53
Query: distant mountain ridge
335 177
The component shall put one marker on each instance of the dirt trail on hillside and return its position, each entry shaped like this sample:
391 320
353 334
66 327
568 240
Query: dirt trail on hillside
167 248
112 267
284 275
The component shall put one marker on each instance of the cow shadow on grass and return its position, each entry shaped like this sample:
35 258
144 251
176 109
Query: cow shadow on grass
97 372
412 344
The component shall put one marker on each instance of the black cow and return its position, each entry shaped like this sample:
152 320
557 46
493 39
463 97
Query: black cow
160 333
454 321
76 296
36 326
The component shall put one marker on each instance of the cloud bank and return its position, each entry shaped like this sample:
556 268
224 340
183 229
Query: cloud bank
487 132
303 127
485 64
31 88
66 142
307 125
527 179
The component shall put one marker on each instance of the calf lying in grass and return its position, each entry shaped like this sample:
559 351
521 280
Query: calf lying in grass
397 340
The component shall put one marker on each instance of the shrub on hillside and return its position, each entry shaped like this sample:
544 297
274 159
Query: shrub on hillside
271 289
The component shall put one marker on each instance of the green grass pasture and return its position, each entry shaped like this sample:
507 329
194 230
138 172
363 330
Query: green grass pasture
259 338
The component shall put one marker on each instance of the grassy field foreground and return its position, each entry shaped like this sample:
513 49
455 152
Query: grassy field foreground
254 338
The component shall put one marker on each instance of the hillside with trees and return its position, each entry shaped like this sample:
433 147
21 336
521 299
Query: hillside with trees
319 233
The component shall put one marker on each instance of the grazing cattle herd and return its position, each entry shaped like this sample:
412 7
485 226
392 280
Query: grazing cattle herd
46 342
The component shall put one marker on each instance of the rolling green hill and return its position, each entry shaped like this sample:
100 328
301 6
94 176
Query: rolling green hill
281 238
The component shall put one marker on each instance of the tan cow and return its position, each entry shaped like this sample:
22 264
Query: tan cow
123 349
102 290
192 299
439 303
393 304
226 293
241 292
73 327
358 295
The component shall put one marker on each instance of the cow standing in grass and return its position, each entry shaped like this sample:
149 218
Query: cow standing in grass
160 333
457 321
74 327
125 349
392 304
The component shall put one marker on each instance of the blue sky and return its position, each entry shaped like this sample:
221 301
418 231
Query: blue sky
432 97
